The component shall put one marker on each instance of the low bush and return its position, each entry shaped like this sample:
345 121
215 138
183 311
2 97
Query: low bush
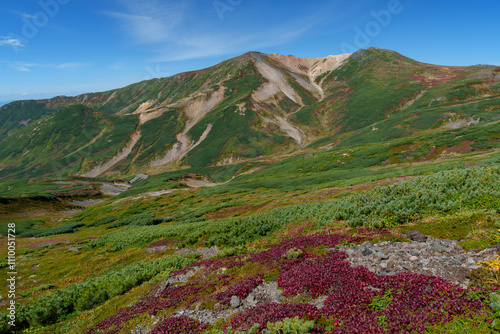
69 227
49 308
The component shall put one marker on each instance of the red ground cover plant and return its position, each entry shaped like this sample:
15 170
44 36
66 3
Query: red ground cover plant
272 312
179 325
241 289
357 300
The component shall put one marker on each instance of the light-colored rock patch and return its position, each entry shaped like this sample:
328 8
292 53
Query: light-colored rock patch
276 82
285 126
195 110
460 123
120 156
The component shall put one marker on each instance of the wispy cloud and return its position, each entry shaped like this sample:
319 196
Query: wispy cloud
22 14
67 66
209 45
23 67
12 42
28 67
178 31
149 21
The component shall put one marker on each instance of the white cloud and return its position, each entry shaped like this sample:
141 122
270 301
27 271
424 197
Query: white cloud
180 31
209 45
27 67
67 66
149 21
23 67
12 42
26 15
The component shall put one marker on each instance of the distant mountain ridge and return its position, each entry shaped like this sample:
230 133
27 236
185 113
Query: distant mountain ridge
245 108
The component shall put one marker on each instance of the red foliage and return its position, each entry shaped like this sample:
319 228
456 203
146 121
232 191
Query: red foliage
179 325
273 312
358 301
241 289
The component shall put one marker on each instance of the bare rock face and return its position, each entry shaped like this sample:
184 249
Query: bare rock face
415 235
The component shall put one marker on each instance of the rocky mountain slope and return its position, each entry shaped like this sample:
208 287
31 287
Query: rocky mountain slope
243 109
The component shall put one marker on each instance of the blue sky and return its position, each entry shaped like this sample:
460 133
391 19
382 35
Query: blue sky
68 47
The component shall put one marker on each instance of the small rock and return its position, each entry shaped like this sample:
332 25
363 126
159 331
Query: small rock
413 258
383 265
235 301
367 244
470 261
251 299
391 265
437 249
366 252
406 267
448 249
140 330
425 261
394 258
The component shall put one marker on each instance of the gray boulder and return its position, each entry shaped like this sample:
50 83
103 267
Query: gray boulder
416 236
235 301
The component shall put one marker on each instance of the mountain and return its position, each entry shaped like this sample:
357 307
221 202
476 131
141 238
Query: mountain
4 103
267 194
241 110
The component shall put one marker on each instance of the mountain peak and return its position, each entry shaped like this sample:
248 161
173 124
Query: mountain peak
312 67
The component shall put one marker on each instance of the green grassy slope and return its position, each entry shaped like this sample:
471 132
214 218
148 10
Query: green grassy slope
375 96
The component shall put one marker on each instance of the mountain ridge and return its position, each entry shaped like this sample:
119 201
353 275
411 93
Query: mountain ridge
250 106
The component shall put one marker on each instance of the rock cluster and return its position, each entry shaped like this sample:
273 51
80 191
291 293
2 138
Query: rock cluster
424 255
205 252
263 293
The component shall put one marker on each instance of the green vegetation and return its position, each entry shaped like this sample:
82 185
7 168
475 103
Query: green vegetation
387 206
22 226
394 146
49 308
18 114
25 228
287 326
290 326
